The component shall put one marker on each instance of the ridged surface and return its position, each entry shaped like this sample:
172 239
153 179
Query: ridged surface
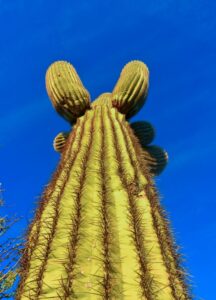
131 89
103 99
156 158
60 141
99 231
66 91
169 249
144 131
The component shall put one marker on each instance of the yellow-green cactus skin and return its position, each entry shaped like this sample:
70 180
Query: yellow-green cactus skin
99 231
131 89
66 91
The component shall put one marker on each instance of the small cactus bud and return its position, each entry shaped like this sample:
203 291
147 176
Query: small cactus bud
66 91
130 91
144 131
156 157
59 141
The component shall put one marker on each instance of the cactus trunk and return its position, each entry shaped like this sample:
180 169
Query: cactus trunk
99 232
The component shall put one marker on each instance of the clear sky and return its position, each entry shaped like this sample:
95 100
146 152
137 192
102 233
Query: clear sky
177 40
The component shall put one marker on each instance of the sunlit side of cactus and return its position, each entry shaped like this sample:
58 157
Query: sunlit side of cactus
99 231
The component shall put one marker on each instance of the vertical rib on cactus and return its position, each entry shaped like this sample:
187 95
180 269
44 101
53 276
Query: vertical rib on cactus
131 89
66 91
99 231
168 248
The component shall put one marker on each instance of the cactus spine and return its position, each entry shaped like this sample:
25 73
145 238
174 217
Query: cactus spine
99 231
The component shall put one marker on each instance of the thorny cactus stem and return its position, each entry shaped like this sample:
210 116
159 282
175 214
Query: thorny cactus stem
99 231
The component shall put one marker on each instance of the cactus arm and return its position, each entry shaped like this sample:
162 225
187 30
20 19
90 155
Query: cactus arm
131 89
156 158
60 141
66 91
144 131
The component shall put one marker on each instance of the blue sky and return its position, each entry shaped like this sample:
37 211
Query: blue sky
177 40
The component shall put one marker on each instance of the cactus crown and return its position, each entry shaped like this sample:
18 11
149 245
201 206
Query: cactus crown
71 100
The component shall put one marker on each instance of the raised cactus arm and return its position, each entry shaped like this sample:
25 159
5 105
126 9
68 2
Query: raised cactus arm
156 158
66 91
131 89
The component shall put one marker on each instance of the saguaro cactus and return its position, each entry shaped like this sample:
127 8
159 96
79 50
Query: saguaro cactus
99 231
